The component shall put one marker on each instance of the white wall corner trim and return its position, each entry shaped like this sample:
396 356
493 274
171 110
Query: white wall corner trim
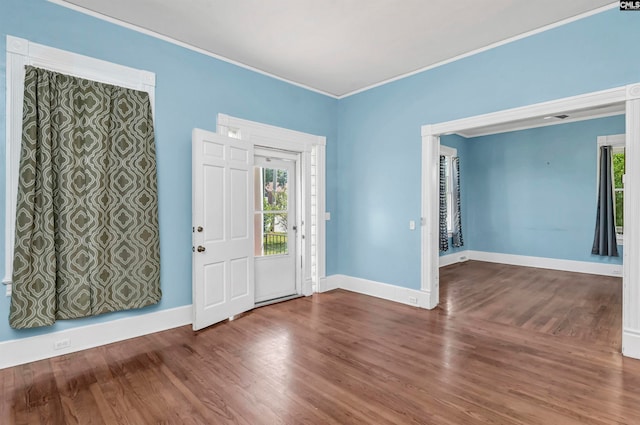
631 343
399 294
21 52
26 350
601 269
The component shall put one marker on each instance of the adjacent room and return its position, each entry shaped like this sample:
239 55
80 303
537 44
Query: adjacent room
368 212
528 197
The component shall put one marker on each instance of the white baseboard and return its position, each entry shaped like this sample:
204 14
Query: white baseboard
25 350
548 263
457 257
328 283
399 294
631 343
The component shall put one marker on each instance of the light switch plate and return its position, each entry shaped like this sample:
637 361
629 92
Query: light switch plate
327 216
412 225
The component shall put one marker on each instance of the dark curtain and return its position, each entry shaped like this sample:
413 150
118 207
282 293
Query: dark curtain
456 237
604 240
87 239
443 232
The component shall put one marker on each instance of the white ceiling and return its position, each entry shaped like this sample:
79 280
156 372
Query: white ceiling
339 46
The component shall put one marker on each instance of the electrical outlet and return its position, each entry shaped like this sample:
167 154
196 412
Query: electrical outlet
617 272
463 258
61 343
413 300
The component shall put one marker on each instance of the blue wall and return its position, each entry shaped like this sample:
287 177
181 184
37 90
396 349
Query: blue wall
379 149
533 192
373 138
191 90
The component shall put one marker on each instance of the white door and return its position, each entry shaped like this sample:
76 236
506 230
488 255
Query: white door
223 266
275 226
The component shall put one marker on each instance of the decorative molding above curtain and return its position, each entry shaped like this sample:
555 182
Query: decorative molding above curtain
443 231
604 240
87 239
456 237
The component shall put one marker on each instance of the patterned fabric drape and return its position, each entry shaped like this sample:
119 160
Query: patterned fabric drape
86 237
456 238
443 232
604 239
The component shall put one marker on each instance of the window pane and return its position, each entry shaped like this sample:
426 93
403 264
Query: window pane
275 184
275 236
618 169
271 234
619 209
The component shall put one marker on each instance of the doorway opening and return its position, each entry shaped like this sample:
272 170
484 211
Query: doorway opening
276 222
627 100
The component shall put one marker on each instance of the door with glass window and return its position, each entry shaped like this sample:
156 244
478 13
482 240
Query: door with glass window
275 226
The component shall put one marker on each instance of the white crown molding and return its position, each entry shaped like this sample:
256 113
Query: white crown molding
188 46
485 48
182 44
26 350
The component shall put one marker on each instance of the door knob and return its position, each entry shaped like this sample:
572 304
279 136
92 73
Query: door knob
199 229
201 248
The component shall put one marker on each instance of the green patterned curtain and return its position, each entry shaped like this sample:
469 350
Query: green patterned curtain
86 238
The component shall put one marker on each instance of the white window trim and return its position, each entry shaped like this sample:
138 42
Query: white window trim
616 141
449 153
312 150
20 53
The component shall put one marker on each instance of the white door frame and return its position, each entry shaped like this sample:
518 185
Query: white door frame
261 152
311 149
630 96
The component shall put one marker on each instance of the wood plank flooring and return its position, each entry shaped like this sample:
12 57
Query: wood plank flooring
509 345
584 306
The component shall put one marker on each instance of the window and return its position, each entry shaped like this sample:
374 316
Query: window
449 153
272 211
21 52
618 187
617 142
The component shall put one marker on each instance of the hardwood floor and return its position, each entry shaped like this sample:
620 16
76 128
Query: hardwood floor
509 346
584 306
